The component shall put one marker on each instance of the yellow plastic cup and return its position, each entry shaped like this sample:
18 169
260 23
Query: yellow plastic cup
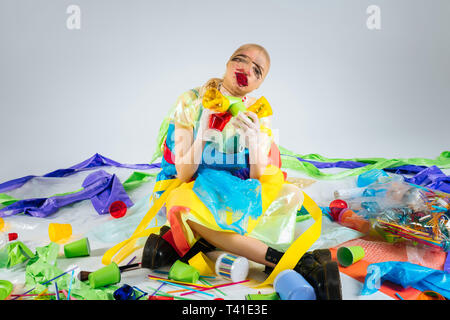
349 255
203 264
2 224
59 231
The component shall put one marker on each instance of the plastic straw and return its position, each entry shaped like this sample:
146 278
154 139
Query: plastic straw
218 286
70 285
206 282
178 285
180 282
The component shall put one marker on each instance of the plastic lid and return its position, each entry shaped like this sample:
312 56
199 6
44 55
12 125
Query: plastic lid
12 236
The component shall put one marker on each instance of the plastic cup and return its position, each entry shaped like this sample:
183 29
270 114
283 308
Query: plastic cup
218 121
336 206
79 248
290 285
105 276
59 231
6 288
349 255
202 263
236 107
350 219
181 271
117 209
232 267
2 224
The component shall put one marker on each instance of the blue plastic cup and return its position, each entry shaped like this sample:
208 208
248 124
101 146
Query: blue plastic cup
290 285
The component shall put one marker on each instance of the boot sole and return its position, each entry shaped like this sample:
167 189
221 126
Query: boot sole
333 281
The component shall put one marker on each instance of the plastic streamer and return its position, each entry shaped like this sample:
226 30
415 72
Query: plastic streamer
96 161
308 163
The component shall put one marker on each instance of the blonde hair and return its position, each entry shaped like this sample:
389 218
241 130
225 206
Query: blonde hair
214 82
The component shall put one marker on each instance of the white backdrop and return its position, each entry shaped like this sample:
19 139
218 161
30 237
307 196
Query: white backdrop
337 87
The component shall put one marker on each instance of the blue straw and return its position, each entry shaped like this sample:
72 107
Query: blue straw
70 285
162 284
57 291
399 296
188 288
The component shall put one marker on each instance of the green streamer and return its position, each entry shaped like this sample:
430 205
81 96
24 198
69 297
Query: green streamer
289 161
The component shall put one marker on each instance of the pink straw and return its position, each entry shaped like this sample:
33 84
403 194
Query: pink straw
218 286
71 297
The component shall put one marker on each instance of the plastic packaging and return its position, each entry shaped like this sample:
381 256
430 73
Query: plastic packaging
396 210
407 275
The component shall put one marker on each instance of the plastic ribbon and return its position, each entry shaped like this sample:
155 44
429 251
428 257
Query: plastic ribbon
93 162
101 187
310 164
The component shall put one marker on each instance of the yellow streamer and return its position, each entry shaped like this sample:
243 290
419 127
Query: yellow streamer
301 245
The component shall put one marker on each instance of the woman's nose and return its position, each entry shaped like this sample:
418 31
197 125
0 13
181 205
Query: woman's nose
244 71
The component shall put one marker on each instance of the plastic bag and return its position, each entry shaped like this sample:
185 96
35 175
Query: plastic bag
407 275
395 210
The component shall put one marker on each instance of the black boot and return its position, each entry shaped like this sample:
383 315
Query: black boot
318 269
272 255
158 252
323 277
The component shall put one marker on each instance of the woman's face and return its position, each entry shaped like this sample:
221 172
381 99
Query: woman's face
245 72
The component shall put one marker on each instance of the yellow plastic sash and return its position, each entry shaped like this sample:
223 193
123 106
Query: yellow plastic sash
126 247
301 245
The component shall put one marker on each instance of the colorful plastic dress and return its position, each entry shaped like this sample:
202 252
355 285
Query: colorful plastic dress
221 196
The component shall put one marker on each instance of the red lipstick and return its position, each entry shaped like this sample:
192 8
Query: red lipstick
241 79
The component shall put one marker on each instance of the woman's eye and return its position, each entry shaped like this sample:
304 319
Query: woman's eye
256 70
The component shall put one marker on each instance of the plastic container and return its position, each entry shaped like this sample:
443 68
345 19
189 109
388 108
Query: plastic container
231 267
290 285
59 231
181 271
117 209
79 248
349 255
218 121
105 276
